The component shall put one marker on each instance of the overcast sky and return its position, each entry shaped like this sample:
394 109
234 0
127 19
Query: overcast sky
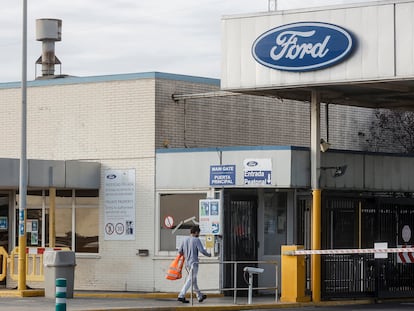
102 37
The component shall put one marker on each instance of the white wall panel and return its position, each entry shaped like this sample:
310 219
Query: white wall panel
373 58
290 169
191 170
389 173
405 39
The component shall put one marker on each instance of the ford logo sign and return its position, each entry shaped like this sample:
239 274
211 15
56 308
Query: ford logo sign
252 163
303 46
111 176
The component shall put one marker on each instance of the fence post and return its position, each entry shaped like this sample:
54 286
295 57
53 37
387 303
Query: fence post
60 294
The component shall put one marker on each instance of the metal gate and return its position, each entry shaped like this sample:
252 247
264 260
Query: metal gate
350 222
240 240
396 273
348 276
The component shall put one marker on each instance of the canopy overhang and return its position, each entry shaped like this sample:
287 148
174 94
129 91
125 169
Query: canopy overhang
373 94
377 73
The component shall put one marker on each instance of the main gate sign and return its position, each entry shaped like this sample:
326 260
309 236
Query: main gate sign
303 46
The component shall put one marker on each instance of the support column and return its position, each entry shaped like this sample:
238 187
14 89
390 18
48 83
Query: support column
52 217
316 205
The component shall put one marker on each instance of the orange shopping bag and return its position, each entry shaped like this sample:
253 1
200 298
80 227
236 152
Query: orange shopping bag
176 266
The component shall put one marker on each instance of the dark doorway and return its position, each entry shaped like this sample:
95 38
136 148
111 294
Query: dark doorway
240 236
4 228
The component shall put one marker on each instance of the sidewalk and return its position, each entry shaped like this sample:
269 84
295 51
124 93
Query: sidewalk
96 301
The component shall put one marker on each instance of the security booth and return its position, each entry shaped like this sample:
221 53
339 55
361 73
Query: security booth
259 219
256 205
354 54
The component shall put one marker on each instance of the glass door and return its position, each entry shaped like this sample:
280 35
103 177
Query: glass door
4 227
4 221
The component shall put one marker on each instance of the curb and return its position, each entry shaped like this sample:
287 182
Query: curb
22 293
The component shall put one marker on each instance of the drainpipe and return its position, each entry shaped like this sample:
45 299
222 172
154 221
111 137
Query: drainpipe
52 217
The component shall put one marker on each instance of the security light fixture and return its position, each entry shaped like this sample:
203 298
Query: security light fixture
337 170
324 145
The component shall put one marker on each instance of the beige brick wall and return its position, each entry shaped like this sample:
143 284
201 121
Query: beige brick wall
82 121
64 120
118 267
111 122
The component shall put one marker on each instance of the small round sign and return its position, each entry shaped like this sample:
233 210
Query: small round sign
406 233
169 222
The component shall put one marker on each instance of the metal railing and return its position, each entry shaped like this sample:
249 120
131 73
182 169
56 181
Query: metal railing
235 289
34 263
3 263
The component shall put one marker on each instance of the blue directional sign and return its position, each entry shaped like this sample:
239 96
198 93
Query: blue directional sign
257 171
222 175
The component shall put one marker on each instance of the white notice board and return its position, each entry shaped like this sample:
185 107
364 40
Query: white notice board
119 203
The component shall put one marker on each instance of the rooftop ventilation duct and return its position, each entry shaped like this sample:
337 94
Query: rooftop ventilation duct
272 5
48 31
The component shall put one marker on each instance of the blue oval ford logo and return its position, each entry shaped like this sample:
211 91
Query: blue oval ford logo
303 46
252 163
111 176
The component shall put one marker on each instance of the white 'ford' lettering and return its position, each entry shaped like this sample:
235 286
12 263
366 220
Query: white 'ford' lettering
287 46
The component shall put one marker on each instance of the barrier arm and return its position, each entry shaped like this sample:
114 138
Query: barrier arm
350 251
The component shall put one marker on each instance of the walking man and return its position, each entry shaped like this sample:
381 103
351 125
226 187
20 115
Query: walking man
190 248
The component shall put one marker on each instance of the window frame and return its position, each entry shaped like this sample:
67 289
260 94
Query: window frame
158 224
73 194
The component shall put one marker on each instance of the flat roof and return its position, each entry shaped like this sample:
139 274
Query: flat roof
62 80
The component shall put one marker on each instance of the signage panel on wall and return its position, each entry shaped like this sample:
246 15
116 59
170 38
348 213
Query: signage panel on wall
222 175
257 171
119 203
303 46
4 223
210 216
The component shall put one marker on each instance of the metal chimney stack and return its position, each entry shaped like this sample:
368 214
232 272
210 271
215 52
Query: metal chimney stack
48 31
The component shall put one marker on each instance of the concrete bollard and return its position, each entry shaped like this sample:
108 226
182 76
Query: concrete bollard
60 295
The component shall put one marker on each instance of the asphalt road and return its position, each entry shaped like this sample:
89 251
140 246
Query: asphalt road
385 306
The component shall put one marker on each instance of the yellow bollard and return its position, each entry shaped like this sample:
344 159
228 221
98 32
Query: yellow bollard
293 276
316 244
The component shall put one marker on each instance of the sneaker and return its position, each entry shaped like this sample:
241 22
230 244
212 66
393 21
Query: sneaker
183 300
202 298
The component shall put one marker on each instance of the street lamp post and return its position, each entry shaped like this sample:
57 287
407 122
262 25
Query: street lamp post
23 161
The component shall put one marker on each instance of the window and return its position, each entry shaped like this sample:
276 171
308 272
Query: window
76 211
275 210
177 207
63 221
87 225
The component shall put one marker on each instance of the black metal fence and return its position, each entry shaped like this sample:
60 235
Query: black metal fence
395 279
360 275
351 275
351 220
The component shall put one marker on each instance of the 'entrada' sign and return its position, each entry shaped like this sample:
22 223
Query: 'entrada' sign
303 46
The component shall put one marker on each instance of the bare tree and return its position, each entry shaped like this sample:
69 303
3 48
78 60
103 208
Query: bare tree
392 131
